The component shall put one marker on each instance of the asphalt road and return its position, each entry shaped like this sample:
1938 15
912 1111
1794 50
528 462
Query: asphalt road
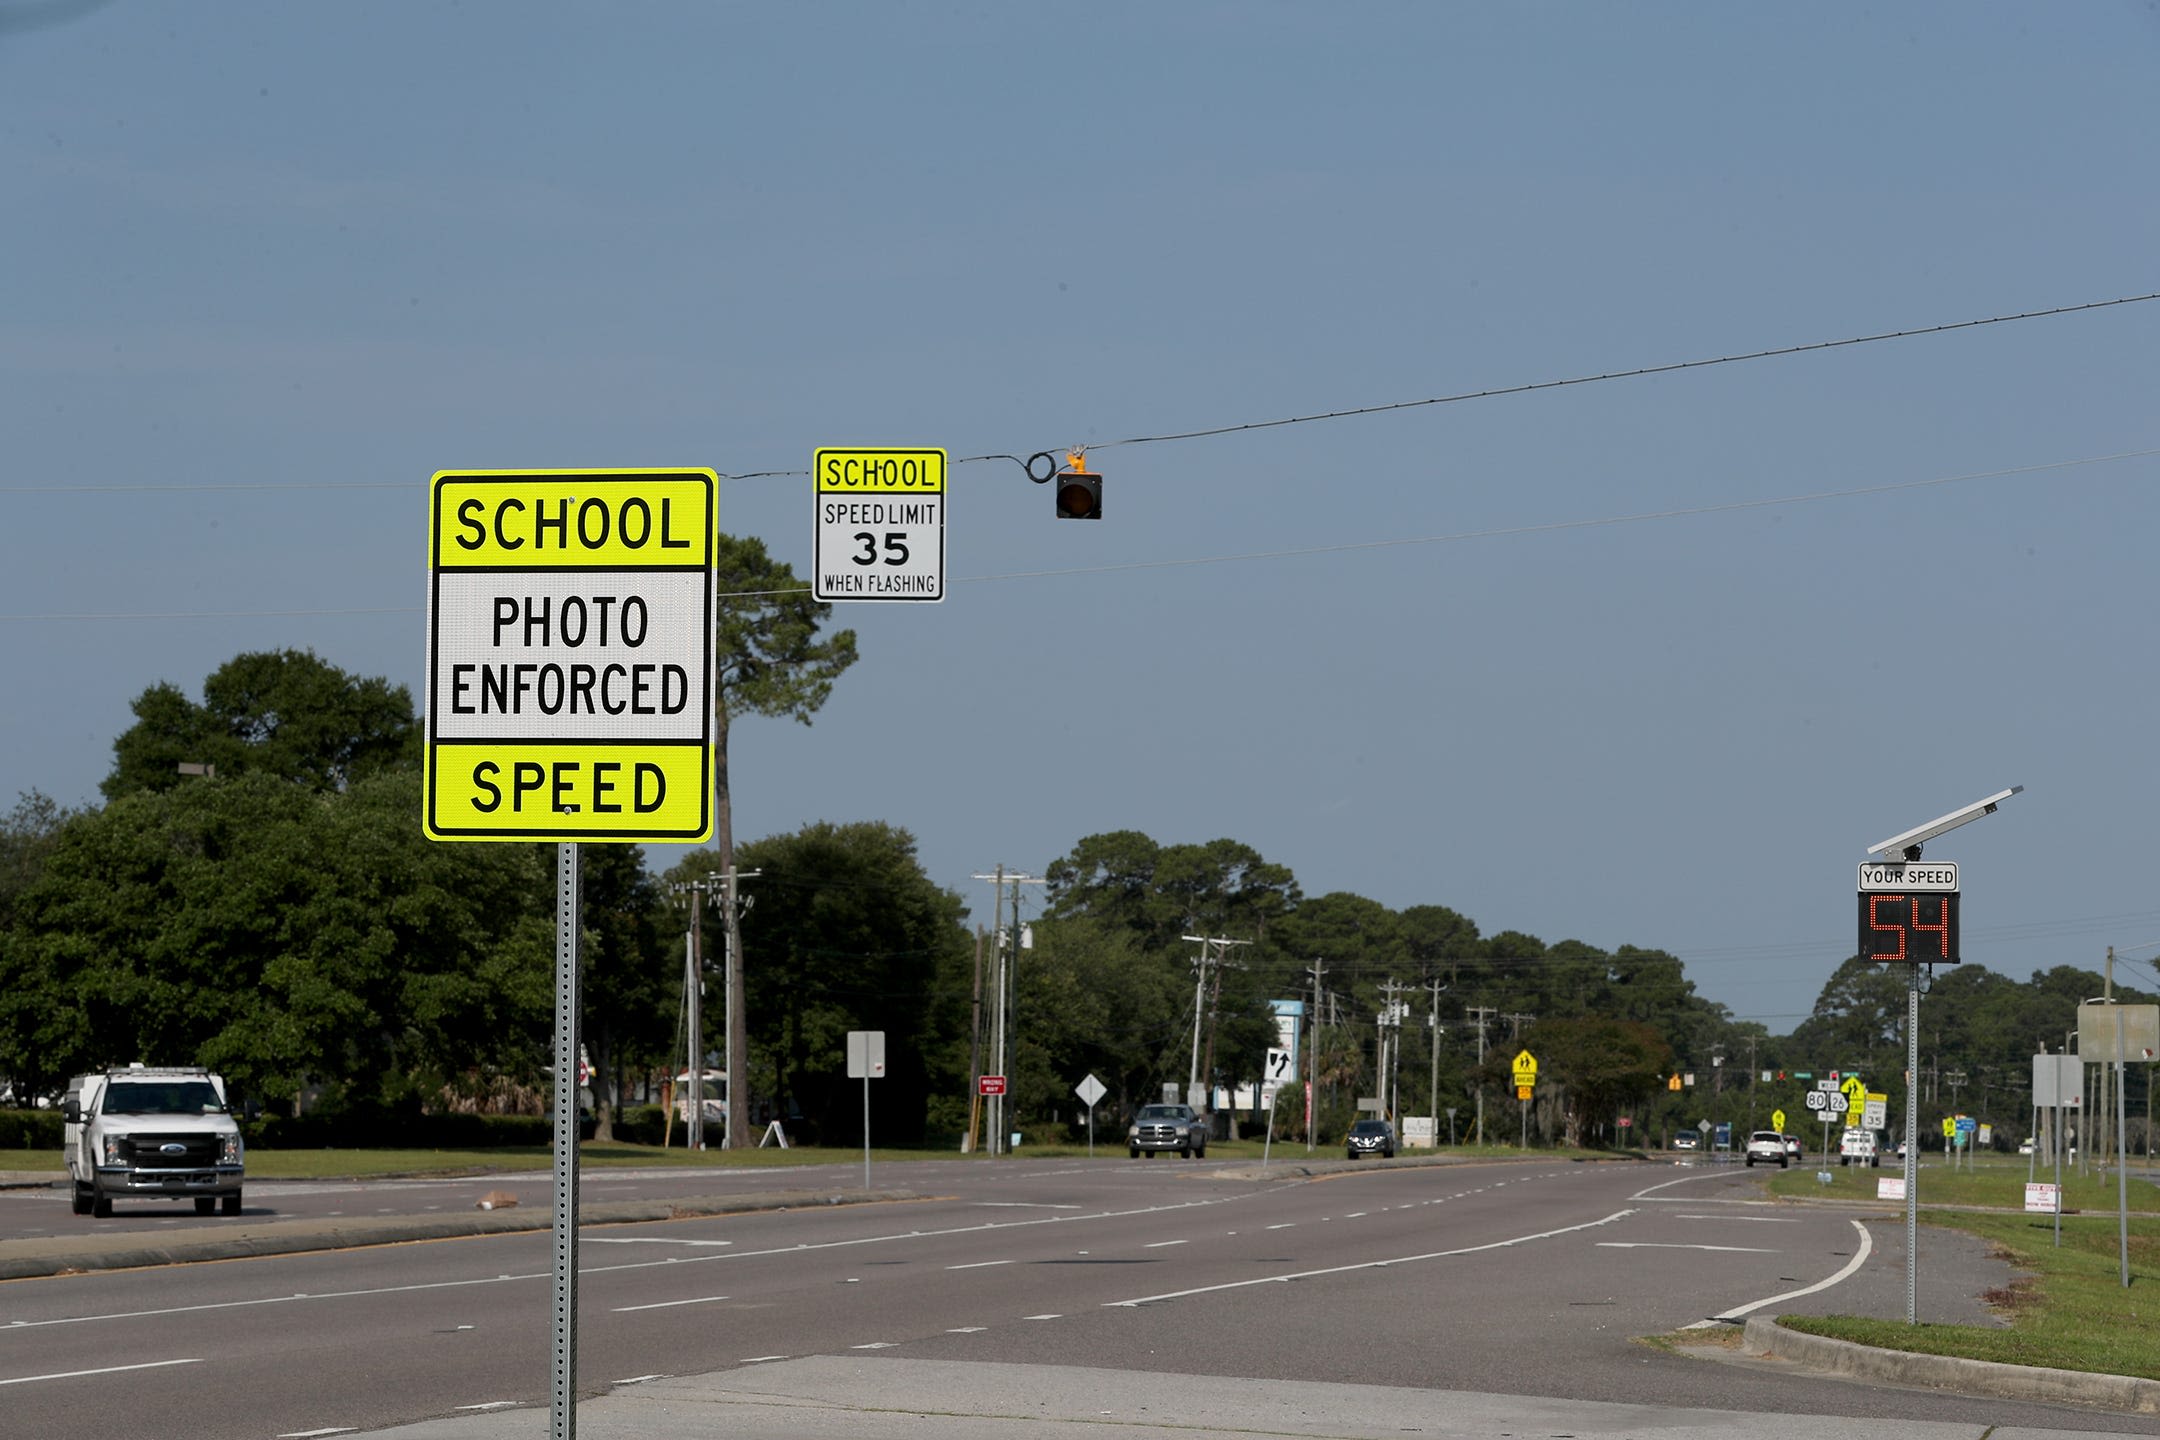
1529 1279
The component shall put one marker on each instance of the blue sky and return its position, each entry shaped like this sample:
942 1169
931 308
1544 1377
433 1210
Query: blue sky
327 251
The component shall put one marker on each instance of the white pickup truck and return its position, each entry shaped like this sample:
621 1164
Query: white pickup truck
151 1133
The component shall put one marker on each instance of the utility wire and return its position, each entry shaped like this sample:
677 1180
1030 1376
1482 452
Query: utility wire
1348 547
1491 393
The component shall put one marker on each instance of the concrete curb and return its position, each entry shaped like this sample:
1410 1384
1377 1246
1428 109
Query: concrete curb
29 1259
1764 1336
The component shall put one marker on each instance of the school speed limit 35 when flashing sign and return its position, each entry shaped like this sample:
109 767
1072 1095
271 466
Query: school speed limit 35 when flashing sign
880 524
570 639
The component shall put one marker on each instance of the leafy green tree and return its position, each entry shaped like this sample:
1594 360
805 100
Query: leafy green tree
1599 1065
627 987
768 659
851 935
284 712
297 940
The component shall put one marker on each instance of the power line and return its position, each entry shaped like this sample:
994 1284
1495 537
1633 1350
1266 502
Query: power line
1637 373
1347 547
1211 431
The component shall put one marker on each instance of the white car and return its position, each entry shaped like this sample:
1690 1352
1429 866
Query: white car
1767 1146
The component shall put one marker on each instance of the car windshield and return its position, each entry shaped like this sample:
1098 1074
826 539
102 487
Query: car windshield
1162 1112
1369 1127
173 1097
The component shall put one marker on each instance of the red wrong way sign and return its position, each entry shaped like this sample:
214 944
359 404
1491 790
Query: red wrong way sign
990 1085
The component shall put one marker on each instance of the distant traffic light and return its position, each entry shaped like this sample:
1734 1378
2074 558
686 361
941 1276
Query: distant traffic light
1079 494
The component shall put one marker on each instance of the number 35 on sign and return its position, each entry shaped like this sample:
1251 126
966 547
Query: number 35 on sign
880 524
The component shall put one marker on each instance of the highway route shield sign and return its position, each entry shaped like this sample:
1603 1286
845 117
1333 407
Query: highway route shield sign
570 641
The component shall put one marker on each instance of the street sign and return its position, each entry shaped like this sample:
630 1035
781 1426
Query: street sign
570 678
1278 1066
880 524
1879 876
1854 1090
2058 1082
1525 1070
2096 1033
1524 1092
990 1085
1836 1103
1912 927
1817 1100
865 1055
1703 1126
1090 1090
1777 1120
1875 1110
1949 1127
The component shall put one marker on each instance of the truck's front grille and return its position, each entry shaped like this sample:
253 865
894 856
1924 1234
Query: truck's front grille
151 1152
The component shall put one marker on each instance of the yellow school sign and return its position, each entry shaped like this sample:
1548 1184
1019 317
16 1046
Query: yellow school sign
570 639
1525 1074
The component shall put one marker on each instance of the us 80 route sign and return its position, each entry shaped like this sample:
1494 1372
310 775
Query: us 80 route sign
880 524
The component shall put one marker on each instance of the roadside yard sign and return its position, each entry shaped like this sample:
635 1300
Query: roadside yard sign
570 639
2044 1199
880 524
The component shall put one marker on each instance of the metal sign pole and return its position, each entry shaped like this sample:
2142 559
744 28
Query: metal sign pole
563 1396
1912 1144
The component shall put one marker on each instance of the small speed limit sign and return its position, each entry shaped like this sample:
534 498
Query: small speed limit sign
880 524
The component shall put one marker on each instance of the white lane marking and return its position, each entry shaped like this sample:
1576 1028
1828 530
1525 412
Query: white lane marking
760 1359
1356 1215
511 1277
645 1240
1042 1317
490 1405
637 1379
107 1370
1021 1205
876 1345
667 1305
311 1434
1657 1245
1751 1219
979 1265
967 1330
1162 1244
1867 1246
1286 1225
1367 1265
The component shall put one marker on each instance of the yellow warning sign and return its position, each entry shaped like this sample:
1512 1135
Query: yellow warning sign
570 639
1525 1070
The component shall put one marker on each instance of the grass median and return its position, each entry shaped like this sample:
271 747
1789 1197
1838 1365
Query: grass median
2067 1308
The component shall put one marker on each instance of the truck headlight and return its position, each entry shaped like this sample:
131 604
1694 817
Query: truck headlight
112 1150
1184 1132
1132 1132
229 1150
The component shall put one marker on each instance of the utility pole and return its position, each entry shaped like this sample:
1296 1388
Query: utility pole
1432 1098
1483 1013
974 1069
738 1014
1312 1072
1391 1077
1002 943
1219 945
694 996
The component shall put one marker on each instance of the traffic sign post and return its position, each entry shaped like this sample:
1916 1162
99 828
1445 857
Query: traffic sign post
880 524
866 1062
569 699
1909 916
1525 1085
1091 1090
